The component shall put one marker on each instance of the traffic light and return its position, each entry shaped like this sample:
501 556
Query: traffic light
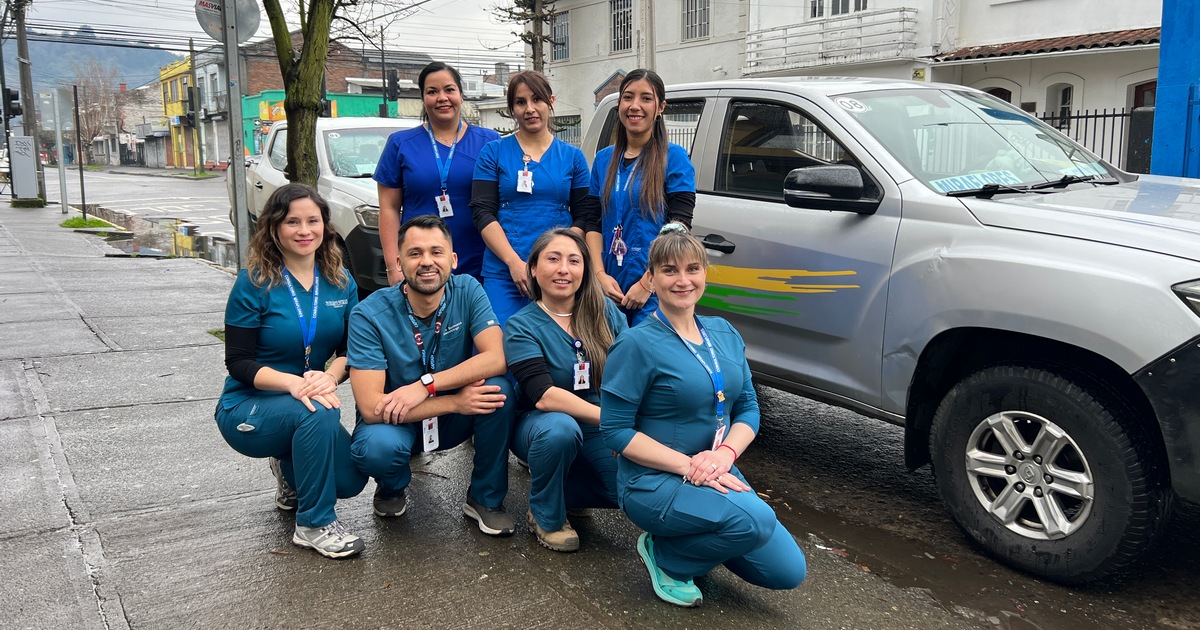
193 98
326 108
393 85
12 103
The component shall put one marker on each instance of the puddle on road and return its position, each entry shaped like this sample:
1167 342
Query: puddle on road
165 237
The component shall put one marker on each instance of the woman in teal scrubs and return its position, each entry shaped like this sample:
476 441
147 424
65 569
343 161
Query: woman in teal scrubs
680 408
557 349
525 183
284 322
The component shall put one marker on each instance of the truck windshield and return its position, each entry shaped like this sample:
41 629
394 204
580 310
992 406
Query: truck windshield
958 141
355 152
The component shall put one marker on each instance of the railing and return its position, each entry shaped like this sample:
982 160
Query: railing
1101 131
854 37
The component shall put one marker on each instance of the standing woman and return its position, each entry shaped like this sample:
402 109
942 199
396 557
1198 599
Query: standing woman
557 350
427 170
285 319
642 182
680 411
525 183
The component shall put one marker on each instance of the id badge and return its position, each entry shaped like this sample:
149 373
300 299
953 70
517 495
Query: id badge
525 181
583 377
445 210
429 434
719 437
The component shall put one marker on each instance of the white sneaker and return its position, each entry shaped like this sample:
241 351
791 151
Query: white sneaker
331 541
285 494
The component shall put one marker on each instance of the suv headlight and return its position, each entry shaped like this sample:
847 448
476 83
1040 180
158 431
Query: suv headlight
1190 293
367 215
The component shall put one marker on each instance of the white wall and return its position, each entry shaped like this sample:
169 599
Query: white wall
984 22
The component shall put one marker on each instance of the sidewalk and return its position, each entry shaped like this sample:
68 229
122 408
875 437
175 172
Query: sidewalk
123 508
176 173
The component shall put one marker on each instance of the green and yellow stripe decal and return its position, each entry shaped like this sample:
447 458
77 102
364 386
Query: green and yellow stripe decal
728 286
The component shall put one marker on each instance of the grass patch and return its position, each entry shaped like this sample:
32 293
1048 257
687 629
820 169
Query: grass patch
36 202
203 175
75 223
219 333
93 167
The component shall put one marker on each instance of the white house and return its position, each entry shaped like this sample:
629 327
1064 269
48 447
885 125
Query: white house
1046 56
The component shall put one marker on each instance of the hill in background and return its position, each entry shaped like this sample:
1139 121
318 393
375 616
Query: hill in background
55 63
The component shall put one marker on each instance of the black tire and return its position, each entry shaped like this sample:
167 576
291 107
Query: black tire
1069 430
349 265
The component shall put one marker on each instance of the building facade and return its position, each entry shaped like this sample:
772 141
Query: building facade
174 81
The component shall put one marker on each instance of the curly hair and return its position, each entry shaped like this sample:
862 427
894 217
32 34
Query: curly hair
265 260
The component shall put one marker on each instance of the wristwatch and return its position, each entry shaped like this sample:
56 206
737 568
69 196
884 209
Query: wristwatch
427 381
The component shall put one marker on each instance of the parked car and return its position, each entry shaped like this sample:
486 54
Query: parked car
931 256
348 151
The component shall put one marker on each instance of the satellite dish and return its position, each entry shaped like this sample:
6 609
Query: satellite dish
246 16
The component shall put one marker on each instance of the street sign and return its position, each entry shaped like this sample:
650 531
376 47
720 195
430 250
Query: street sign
46 109
246 14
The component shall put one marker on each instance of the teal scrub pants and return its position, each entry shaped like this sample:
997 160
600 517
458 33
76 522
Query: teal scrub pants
313 449
697 528
569 466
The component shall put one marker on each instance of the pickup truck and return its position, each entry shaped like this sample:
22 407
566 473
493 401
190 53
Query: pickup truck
930 256
348 150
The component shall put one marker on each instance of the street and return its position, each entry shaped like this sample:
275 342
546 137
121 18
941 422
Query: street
174 529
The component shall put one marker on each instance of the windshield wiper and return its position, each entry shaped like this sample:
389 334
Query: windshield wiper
1067 180
359 175
987 191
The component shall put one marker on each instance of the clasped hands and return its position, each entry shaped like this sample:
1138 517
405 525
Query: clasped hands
316 385
711 468
472 400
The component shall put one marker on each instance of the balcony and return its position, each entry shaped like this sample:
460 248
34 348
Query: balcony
859 37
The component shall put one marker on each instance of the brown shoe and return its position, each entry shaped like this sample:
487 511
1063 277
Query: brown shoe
565 539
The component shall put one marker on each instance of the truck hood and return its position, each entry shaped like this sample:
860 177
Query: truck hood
362 189
1154 213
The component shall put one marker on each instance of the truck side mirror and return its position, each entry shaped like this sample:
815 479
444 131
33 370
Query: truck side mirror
837 187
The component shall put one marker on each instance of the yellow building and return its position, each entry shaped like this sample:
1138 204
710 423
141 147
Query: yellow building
174 79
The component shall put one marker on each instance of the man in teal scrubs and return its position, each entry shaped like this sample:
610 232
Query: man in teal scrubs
417 385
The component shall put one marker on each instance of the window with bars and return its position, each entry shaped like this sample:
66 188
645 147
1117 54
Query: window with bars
840 7
695 19
622 25
560 31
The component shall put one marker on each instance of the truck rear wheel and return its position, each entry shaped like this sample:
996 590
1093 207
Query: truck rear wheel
1050 473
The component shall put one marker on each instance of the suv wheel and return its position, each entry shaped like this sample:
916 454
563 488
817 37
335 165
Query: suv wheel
1050 474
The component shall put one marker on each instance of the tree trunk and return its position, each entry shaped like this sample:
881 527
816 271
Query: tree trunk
539 41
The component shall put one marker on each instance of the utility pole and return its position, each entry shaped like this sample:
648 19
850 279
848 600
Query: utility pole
4 91
194 107
28 114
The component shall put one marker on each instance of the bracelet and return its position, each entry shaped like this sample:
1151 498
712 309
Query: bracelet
335 379
731 450
642 281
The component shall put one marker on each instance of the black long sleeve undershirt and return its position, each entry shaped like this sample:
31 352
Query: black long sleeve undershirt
533 375
240 357
680 207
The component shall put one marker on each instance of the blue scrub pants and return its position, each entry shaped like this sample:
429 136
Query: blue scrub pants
697 528
313 449
384 450
569 466
505 297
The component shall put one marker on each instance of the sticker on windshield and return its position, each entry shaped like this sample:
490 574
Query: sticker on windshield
333 135
1083 170
975 180
852 105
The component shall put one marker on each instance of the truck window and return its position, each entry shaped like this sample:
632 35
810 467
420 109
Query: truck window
681 117
762 142
278 154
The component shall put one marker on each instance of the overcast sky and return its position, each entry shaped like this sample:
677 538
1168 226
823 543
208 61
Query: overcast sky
461 32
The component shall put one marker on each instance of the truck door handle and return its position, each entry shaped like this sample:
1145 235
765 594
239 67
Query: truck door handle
718 243
258 185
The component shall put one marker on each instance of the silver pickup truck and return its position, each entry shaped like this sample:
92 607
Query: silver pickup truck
930 256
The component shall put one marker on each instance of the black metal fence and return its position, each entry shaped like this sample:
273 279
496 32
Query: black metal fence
1102 131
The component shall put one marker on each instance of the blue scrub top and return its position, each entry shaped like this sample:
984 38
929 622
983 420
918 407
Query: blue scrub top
650 369
623 209
525 216
381 335
408 164
280 341
531 333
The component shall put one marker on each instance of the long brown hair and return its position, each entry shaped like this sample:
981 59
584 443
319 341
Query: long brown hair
265 260
539 85
588 318
651 164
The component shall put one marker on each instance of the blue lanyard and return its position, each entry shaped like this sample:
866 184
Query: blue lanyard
308 329
714 373
428 360
443 167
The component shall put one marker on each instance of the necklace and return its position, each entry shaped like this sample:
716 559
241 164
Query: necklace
550 312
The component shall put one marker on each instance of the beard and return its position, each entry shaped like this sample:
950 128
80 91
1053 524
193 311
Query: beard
430 286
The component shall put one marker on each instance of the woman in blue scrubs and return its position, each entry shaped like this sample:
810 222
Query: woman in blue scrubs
428 169
525 183
557 349
642 181
285 349
680 408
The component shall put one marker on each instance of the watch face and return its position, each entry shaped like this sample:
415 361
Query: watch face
427 379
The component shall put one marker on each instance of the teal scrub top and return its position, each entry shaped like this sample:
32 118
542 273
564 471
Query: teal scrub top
531 333
654 385
280 342
381 335
525 216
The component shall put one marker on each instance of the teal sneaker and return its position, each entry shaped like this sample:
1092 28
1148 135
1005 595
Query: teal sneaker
668 589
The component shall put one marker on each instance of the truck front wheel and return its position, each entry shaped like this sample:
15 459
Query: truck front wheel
1050 473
